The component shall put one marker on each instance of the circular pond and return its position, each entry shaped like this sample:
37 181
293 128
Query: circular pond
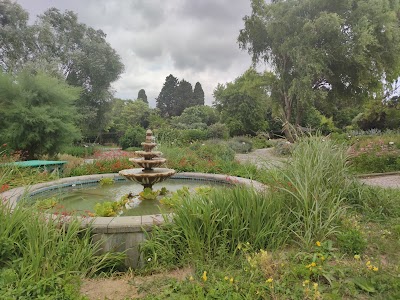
81 197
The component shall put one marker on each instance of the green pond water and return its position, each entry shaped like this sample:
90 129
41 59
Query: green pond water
81 199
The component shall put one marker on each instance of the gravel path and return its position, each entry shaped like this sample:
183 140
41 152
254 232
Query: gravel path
262 158
389 181
266 158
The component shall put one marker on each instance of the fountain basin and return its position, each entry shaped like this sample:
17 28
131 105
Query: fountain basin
122 234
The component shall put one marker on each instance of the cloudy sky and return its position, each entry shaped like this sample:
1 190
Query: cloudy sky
191 39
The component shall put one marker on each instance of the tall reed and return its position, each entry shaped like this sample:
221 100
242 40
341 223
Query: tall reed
314 182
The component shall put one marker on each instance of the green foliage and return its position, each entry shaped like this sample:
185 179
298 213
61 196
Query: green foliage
197 114
314 182
198 94
100 166
110 208
375 154
262 140
290 35
176 95
218 131
38 113
127 113
46 204
148 194
242 103
205 225
351 241
106 181
240 144
142 95
78 151
41 259
133 137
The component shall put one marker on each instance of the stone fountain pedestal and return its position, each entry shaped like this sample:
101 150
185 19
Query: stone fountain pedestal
149 161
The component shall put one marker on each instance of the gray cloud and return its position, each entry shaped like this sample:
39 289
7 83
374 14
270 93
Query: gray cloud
191 39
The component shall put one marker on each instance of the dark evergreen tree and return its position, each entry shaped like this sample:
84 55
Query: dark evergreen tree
142 95
198 95
184 97
166 100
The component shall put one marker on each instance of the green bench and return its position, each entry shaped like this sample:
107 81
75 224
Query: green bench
45 165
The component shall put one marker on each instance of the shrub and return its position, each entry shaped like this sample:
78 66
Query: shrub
240 144
351 241
133 137
218 131
78 151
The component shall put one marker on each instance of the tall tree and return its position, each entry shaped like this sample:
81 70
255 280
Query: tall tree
16 37
335 51
198 95
142 95
166 100
81 54
184 97
37 113
86 60
243 103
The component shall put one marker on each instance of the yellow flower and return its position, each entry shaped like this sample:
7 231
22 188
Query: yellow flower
306 282
313 264
226 278
269 280
191 278
357 257
315 285
231 280
368 263
375 269
204 277
318 243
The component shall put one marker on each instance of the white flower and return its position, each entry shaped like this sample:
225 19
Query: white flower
149 259
391 143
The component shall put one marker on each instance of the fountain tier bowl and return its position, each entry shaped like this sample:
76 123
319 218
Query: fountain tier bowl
147 177
147 163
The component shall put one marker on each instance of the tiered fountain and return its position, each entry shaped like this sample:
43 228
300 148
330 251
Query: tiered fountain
149 161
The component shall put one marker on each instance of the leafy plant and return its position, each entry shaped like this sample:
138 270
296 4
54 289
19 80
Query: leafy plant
148 194
106 181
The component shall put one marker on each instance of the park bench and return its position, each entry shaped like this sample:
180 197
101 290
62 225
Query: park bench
44 165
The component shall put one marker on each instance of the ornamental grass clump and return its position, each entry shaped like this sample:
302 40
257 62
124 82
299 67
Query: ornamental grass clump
42 257
313 183
211 226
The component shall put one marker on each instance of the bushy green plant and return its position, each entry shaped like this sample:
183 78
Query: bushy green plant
78 151
148 194
351 241
204 224
44 257
106 181
314 181
133 137
240 144
218 131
